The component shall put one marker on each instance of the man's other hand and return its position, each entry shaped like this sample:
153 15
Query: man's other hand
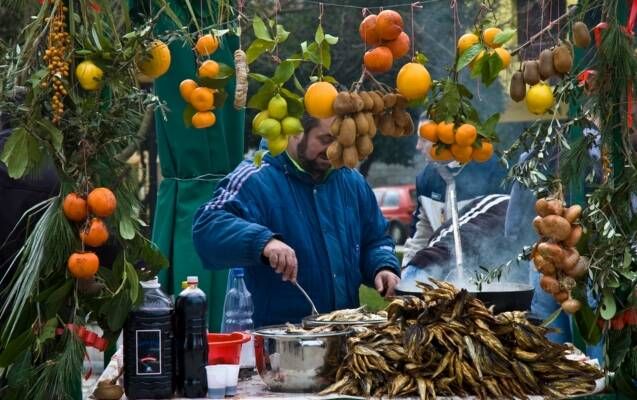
385 282
282 258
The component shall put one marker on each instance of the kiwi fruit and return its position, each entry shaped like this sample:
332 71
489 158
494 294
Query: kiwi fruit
517 89
379 104
531 72
359 104
336 126
364 147
581 35
350 156
389 100
387 125
562 59
371 124
367 101
403 121
334 151
343 104
401 102
546 64
347 133
362 125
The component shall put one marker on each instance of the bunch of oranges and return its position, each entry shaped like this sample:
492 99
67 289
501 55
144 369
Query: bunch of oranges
455 143
488 38
58 66
202 98
385 32
101 203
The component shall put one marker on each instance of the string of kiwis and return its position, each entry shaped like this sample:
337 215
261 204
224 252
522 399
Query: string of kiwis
555 61
359 115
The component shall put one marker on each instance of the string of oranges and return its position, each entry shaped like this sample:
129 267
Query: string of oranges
459 143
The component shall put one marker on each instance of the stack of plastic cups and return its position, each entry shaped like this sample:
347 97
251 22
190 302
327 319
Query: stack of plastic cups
223 359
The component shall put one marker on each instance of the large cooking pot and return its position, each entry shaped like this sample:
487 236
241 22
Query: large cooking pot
298 362
503 296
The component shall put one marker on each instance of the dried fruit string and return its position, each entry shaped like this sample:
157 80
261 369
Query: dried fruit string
59 43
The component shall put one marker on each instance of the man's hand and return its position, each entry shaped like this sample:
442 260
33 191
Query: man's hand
385 282
282 258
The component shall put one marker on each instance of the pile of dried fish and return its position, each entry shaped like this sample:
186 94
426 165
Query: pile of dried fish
292 329
450 344
352 315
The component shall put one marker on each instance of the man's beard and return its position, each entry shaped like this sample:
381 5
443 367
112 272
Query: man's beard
311 166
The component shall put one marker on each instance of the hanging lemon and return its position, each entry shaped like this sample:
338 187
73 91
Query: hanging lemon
89 75
156 61
539 98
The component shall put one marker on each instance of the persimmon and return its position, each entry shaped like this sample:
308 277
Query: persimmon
102 202
75 207
95 234
379 59
83 265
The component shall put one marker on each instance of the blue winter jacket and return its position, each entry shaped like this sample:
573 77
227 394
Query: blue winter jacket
334 226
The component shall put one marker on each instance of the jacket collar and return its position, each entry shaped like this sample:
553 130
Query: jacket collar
290 167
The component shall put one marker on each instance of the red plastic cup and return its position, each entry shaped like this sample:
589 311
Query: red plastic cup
225 348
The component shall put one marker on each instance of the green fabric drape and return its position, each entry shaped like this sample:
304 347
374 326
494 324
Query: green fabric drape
192 163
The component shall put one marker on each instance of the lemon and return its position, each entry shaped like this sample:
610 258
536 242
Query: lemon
277 107
277 144
269 128
258 119
539 98
291 126
89 75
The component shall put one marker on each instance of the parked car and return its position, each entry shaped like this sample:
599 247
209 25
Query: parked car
397 204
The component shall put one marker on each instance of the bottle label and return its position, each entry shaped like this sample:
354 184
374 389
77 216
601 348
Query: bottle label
148 344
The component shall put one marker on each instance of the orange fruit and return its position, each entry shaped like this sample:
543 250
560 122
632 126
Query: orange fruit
83 265
445 132
319 99
74 207
467 40
208 69
96 234
466 134
413 81
505 56
156 61
476 59
367 30
203 119
379 59
439 153
399 46
186 87
462 154
202 99
101 202
389 24
488 36
428 131
484 152
206 45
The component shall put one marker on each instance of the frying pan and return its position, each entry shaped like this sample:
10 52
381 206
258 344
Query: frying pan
503 296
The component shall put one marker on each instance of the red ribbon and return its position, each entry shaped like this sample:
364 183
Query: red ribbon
632 18
597 31
88 337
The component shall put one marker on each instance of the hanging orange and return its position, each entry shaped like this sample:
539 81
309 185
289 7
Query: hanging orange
96 234
484 152
203 119
438 153
445 132
102 202
208 69
466 134
428 131
202 99
206 45
156 61
399 46
389 24
83 265
378 59
462 154
186 87
74 207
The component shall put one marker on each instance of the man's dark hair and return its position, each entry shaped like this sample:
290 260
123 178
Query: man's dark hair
309 122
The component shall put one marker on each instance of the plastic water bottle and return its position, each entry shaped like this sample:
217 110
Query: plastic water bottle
148 346
237 317
192 344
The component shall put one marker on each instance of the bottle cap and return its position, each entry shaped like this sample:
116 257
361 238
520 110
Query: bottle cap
192 280
237 272
184 284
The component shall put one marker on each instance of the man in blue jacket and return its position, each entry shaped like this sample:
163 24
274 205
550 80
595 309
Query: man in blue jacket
296 217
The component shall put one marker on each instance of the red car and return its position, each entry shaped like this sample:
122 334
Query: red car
397 204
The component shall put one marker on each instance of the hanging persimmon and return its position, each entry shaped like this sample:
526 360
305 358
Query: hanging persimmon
102 202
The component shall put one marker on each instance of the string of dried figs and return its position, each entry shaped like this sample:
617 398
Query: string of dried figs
59 44
394 120
555 255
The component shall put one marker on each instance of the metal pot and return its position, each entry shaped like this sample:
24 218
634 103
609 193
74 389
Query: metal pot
503 296
298 362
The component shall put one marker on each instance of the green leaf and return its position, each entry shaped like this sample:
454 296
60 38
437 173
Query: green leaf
617 348
330 79
48 330
464 92
298 85
15 154
260 99
108 277
624 383
628 258
258 77
608 307
260 30
118 311
283 72
319 36
326 55
469 55
15 347
504 36
55 134
133 281
281 34
126 228
55 300
551 318
220 98
491 66
421 58
96 39
586 321
258 47
331 40
187 115
295 103
221 80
